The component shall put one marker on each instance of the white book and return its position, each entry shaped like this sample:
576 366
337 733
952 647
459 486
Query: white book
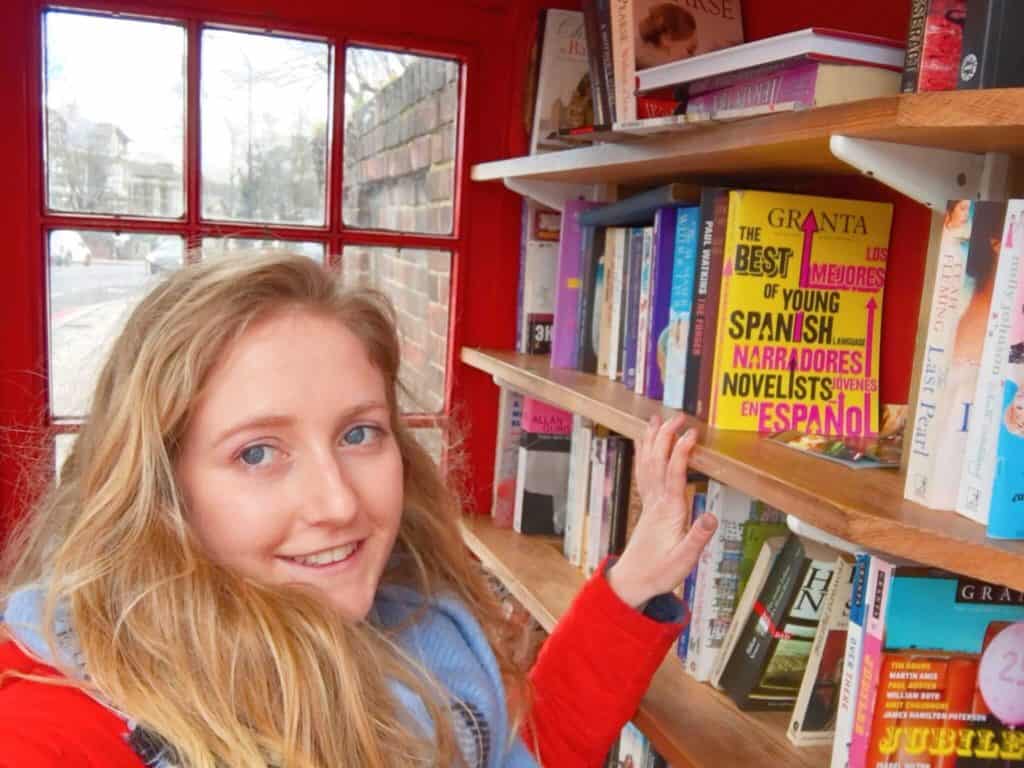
540 273
975 493
620 241
561 73
506 457
596 505
644 319
833 44
579 488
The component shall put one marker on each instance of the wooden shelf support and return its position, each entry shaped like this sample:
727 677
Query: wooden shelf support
929 175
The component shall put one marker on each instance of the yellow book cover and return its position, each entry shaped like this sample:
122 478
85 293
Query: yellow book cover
799 314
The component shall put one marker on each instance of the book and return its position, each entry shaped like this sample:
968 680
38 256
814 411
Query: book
653 33
542 478
631 308
578 490
814 714
715 593
663 257
598 85
617 304
639 209
883 451
608 333
599 503
506 457
934 43
698 508
563 97
767 553
709 335
1005 518
537 283
831 44
565 329
1006 313
771 654
591 296
846 704
643 331
950 679
799 314
698 318
960 301
621 459
684 264
804 84
992 56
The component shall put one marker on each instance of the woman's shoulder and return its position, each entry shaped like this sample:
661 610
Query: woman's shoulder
49 725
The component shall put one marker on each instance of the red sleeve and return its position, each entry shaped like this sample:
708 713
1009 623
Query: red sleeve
591 674
54 726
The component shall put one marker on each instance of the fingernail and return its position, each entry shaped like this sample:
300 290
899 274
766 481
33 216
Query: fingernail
708 522
690 435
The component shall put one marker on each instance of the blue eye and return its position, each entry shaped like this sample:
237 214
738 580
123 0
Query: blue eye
360 435
256 455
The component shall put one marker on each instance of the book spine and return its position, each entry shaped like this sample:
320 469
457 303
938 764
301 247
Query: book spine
934 46
591 290
661 293
616 358
624 58
564 333
592 30
705 376
915 40
876 601
604 19
540 417
976 480
643 333
700 298
851 664
538 286
604 309
700 503
620 495
579 488
743 669
506 457
632 330
1005 520
684 265
796 84
595 510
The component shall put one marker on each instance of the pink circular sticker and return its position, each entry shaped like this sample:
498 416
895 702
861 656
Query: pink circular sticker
1001 675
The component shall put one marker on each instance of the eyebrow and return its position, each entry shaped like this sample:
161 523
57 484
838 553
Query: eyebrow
270 420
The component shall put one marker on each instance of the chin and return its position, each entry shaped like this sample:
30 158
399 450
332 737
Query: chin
352 607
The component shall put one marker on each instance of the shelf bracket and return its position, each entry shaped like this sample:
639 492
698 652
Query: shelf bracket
553 194
929 175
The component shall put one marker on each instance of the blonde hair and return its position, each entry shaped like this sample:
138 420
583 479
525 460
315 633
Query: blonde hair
243 673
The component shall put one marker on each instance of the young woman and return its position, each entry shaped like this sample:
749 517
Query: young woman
249 561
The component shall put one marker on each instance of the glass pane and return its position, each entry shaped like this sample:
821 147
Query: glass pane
62 448
115 115
96 278
399 150
432 439
265 106
417 282
217 245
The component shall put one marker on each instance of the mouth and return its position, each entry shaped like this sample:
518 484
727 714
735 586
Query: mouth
326 557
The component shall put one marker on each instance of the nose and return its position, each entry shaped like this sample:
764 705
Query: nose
329 495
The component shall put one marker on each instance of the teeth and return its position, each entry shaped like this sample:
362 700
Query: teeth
327 557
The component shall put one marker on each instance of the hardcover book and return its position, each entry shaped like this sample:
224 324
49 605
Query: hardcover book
564 344
768 664
1006 319
800 314
814 715
934 43
684 264
992 55
563 98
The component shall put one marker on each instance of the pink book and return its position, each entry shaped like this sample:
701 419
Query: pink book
541 418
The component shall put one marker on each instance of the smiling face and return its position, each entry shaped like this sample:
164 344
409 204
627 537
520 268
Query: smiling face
290 471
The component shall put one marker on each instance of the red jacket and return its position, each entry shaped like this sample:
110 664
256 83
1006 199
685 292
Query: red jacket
588 681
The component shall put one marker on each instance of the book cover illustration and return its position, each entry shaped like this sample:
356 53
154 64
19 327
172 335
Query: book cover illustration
564 98
883 451
799 314
669 30
542 483
1006 319
817 703
950 690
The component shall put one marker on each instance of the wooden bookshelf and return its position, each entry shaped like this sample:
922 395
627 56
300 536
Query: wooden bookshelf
863 506
786 143
689 723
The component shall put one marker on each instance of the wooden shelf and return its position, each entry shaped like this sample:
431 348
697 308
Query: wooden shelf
690 723
862 506
788 142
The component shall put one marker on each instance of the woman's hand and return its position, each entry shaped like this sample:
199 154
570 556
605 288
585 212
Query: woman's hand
664 548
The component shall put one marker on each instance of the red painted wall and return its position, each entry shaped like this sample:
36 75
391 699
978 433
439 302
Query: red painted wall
495 36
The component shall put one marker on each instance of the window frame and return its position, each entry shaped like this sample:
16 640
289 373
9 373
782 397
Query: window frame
334 235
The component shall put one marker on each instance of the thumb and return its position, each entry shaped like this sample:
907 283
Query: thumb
688 553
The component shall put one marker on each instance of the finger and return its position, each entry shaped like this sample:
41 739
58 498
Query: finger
666 436
689 549
675 475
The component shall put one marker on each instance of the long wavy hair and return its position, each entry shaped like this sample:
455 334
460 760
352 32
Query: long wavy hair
229 671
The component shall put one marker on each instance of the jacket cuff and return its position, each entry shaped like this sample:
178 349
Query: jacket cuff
663 616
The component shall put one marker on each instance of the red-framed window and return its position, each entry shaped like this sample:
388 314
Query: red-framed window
165 138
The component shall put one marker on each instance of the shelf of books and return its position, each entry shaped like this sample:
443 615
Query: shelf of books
789 142
866 508
690 723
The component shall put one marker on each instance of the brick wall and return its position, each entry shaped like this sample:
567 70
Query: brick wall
399 175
